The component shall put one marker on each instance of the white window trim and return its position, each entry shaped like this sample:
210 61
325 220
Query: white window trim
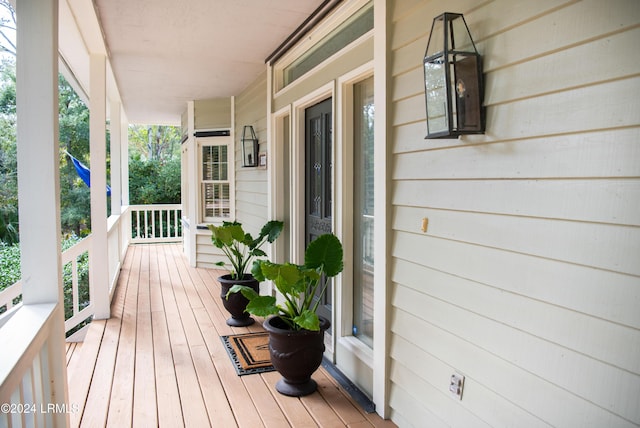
217 141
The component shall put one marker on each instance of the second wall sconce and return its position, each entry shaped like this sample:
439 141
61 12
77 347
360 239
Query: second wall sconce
249 146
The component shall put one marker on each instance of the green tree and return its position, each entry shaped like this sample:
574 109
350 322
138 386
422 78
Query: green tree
8 29
155 142
75 200
8 156
154 182
9 265
74 138
154 164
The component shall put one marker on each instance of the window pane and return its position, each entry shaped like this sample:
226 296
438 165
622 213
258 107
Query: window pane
214 163
215 189
363 220
360 23
223 171
216 201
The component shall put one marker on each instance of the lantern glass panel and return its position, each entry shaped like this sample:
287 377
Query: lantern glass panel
436 38
249 152
436 91
466 93
459 37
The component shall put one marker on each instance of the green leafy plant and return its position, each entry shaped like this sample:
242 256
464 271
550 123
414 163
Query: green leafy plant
298 284
240 247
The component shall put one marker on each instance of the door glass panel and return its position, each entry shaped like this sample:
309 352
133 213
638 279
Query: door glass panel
318 197
363 220
316 167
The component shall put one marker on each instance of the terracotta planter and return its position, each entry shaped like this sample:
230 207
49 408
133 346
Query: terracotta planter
295 355
237 303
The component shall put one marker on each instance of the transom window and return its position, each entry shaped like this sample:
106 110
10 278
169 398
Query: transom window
351 29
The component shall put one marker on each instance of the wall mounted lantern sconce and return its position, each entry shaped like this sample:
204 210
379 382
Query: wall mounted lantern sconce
249 146
453 80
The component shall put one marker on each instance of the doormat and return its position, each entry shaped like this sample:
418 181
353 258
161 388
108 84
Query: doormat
249 352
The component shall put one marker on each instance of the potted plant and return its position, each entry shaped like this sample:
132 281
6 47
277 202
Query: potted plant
296 332
240 248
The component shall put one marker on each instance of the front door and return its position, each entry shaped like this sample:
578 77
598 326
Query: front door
318 172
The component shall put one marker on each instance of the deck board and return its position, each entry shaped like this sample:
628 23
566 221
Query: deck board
159 360
145 411
193 408
121 402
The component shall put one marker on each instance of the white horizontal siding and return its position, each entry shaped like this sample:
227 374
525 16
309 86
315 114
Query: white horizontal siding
207 255
609 387
604 246
573 156
592 200
527 280
490 408
550 403
549 114
251 183
212 113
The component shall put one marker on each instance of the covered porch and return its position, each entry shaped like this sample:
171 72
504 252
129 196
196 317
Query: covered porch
506 263
159 359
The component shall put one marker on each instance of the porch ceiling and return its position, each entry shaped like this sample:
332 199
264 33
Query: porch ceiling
166 52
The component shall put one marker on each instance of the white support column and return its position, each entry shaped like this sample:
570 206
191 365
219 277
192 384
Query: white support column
116 158
38 157
39 177
276 206
382 210
124 162
98 265
194 180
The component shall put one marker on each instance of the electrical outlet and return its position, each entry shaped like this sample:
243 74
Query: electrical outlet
456 385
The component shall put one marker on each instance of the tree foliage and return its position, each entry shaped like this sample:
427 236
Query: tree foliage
154 182
155 142
10 274
154 151
8 158
9 264
154 164
75 196
8 29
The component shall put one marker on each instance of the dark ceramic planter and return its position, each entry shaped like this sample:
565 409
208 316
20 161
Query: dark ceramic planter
237 303
295 355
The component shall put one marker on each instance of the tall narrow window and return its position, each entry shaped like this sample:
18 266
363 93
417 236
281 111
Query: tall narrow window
216 187
363 220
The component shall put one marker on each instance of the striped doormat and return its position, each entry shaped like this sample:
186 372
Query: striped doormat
249 352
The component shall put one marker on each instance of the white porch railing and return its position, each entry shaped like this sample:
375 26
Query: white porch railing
27 394
156 223
27 366
9 294
36 346
79 309
136 224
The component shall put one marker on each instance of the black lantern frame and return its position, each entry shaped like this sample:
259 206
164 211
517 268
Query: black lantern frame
453 80
249 146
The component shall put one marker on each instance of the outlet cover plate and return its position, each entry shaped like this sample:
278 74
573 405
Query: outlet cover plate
456 385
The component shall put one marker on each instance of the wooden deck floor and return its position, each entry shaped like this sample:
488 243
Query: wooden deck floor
159 360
